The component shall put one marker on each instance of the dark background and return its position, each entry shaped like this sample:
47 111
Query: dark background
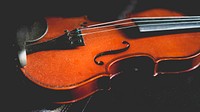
134 91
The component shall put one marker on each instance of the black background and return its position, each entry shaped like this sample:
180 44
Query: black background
130 92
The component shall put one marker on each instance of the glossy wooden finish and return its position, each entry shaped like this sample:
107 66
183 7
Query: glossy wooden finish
75 68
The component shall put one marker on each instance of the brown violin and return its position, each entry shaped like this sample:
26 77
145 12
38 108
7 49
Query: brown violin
80 57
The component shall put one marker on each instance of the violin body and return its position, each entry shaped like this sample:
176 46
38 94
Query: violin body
75 71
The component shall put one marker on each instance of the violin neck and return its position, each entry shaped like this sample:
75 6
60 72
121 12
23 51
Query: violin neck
167 23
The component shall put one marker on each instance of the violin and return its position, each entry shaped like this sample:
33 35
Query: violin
80 57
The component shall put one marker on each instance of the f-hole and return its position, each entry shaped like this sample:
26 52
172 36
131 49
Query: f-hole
111 52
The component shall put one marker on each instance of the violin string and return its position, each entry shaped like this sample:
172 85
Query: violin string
138 22
107 26
169 26
108 30
169 18
86 104
166 20
141 25
66 107
144 20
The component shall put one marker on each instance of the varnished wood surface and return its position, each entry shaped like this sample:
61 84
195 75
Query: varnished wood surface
69 69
